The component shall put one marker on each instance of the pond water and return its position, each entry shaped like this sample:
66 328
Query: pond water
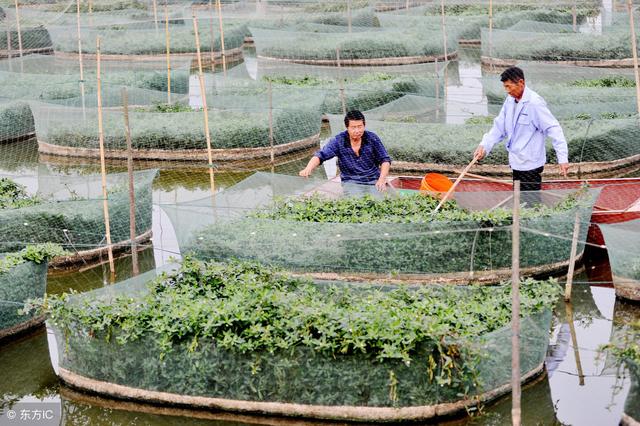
579 389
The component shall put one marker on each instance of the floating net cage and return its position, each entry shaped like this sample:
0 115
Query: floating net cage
242 222
68 210
302 373
622 246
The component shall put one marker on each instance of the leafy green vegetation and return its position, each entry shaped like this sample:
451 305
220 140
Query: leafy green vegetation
167 108
14 196
32 38
37 253
414 208
237 318
606 81
480 119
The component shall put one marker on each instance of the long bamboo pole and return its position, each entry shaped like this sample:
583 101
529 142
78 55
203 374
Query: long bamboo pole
437 90
9 54
132 198
271 123
222 49
444 31
18 28
515 308
203 94
103 168
349 15
574 17
455 184
168 44
634 52
80 62
572 258
213 37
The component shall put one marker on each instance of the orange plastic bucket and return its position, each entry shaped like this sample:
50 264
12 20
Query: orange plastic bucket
435 182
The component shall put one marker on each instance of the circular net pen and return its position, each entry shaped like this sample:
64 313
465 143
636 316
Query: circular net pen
347 231
374 377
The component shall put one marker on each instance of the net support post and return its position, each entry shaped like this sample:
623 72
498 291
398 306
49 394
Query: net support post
634 52
205 111
168 44
103 168
515 308
222 49
18 28
132 200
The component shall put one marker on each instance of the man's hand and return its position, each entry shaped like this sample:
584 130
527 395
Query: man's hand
479 153
381 184
304 172
564 168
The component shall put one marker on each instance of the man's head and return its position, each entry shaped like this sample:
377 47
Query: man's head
513 82
354 122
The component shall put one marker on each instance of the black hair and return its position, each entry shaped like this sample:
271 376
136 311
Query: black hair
354 115
514 74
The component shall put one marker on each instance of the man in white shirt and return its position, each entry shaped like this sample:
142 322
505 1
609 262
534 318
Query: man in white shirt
524 122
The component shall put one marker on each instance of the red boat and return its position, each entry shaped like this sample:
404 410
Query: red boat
619 199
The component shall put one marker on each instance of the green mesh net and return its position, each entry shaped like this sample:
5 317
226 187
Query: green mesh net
461 246
22 282
622 246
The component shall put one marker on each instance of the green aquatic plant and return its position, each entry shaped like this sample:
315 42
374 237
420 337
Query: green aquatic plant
14 196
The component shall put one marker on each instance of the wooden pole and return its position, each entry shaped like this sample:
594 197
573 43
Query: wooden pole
444 31
515 307
90 12
574 342
349 15
341 83
168 43
203 94
103 168
572 258
213 37
271 123
455 184
18 28
155 14
80 62
132 199
574 16
222 49
9 54
634 52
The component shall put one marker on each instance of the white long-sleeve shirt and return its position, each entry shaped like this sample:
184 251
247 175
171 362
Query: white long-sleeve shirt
524 125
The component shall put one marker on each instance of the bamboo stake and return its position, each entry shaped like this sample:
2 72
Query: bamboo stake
18 28
572 258
453 187
349 15
444 31
515 308
271 122
81 63
168 43
9 54
574 16
222 49
574 342
155 14
213 37
90 12
203 94
103 168
132 200
634 49
342 99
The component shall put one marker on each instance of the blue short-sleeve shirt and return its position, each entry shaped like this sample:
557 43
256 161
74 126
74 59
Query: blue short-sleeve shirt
363 168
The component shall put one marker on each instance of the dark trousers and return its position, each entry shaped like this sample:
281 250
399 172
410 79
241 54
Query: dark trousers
530 184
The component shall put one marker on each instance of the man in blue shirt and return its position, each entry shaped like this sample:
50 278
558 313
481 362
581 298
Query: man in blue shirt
361 156
524 122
